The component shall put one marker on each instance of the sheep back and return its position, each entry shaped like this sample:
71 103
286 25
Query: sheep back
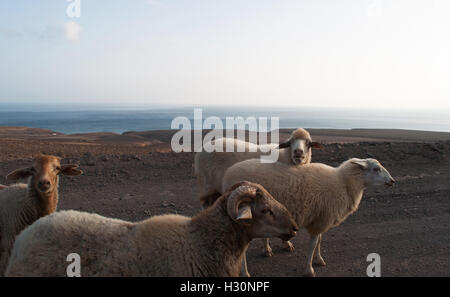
107 247
315 194
210 167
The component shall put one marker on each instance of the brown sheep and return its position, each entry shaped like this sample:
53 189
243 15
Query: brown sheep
22 204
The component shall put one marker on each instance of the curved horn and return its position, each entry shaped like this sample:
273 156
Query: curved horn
237 185
243 193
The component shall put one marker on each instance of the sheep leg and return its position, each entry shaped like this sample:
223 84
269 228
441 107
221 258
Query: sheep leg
312 247
5 253
318 260
267 251
289 246
3 262
244 270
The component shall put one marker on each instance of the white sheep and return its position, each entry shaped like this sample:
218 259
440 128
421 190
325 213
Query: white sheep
318 196
210 167
22 204
213 243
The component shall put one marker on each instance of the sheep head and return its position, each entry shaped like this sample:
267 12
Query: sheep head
251 205
300 145
44 173
374 173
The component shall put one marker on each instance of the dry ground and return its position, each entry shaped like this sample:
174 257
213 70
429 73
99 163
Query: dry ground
134 176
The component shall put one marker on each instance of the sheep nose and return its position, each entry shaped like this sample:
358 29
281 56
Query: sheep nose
298 152
44 184
391 182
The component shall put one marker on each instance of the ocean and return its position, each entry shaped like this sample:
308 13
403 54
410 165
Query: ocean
82 119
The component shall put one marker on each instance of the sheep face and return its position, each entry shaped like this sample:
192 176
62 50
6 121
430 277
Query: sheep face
251 205
374 173
300 145
44 173
272 219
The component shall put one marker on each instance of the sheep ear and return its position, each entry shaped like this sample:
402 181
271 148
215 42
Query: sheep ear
70 169
238 205
361 163
20 173
285 144
316 145
244 213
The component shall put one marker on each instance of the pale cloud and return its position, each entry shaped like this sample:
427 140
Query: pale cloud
72 31
10 33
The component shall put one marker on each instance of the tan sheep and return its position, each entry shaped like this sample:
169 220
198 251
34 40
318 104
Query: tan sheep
213 243
22 204
210 167
318 196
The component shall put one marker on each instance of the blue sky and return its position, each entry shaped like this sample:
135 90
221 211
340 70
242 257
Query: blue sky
350 53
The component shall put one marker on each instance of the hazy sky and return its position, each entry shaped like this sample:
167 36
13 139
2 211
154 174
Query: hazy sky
361 53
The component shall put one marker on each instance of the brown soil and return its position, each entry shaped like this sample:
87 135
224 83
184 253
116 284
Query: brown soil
135 175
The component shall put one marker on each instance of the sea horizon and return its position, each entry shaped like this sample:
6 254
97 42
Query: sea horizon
71 119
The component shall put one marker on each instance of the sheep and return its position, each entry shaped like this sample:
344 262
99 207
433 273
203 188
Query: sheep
210 167
212 243
318 196
22 204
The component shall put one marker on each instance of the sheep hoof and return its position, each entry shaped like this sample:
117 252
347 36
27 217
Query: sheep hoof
245 274
310 273
290 247
268 253
319 262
